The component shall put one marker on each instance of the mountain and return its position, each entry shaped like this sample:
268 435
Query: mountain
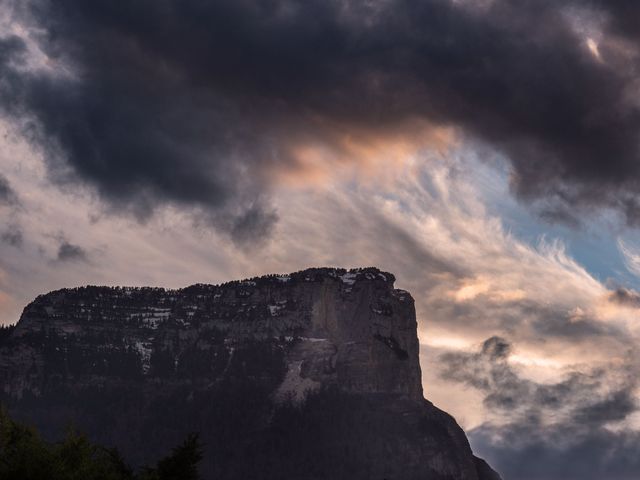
312 375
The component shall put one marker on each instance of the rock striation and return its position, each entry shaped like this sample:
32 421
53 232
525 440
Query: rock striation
312 375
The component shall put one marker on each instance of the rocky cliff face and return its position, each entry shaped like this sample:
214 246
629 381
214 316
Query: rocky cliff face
309 375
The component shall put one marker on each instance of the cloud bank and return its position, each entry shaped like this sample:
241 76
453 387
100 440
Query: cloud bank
568 429
203 105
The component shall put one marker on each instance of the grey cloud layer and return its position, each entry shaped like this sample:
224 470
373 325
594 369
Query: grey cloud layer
548 431
194 103
12 235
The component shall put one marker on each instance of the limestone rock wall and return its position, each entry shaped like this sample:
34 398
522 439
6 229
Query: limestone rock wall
81 354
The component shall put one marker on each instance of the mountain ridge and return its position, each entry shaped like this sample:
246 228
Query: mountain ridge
344 339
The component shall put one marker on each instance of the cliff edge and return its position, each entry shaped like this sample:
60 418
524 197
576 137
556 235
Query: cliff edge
311 375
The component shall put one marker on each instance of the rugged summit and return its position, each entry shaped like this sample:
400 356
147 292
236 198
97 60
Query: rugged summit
309 375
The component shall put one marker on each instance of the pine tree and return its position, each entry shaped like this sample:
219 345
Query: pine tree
183 462
24 455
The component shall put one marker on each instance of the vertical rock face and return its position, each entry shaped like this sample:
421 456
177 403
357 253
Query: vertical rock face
310 375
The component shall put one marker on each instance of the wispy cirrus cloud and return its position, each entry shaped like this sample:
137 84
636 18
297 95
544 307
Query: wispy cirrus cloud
631 256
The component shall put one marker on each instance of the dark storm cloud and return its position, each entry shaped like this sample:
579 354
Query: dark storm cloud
496 348
625 296
12 236
490 371
10 47
7 194
548 431
529 320
595 455
68 252
253 225
194 103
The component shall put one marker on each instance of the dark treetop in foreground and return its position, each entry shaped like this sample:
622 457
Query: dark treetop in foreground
24 455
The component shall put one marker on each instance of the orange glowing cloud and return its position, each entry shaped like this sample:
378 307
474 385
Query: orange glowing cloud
472 288
345 151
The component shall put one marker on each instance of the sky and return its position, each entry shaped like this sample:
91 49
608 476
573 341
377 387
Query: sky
484 151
